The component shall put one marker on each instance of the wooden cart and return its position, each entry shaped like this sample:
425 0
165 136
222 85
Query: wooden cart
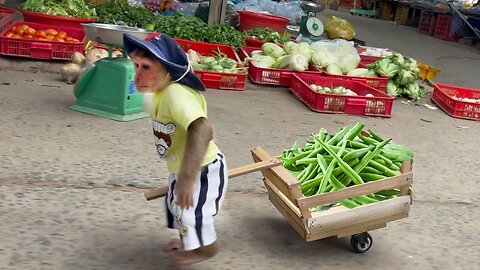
300 211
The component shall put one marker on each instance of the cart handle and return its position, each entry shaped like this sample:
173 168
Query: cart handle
156 193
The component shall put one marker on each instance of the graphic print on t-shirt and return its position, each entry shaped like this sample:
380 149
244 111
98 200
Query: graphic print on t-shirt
163 136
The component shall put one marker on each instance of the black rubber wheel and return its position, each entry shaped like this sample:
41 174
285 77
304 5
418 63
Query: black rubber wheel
362 242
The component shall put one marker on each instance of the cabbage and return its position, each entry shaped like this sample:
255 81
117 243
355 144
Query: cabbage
263 61
359 72
272 50
291 47
414 91
257 52
334 69
392 89
340 52
371 73
404 77
411 65
320 46
386 68
295 62
323 59
279 61
348 62
305 50
397 59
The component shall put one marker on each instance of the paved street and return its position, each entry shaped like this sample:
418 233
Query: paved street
71 184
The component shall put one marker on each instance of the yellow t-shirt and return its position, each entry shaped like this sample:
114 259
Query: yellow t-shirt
173 110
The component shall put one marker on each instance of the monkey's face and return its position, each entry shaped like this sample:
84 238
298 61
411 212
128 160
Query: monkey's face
150 75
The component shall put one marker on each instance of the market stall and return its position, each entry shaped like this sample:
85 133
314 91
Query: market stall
284 44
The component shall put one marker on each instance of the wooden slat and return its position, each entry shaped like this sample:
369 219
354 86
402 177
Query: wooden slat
273 189
156 193
288 178
285 208
326 220
357 190
216 12
406 168
253 167
354 229
279 176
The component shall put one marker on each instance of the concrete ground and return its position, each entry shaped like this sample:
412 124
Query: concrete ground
71 183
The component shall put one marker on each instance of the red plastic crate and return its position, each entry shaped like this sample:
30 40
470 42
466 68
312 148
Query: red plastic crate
426 25
211 79
378 83
443 28
367 59
443 95
271 76
41 49
254 42
379 105
6 17
250 20
59 21
351 4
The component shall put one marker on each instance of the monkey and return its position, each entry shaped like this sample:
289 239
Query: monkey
184 136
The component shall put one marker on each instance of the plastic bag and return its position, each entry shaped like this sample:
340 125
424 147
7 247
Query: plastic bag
289 10
344 50
336 27
188 8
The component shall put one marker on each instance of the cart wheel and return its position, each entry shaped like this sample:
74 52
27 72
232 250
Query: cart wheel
361 242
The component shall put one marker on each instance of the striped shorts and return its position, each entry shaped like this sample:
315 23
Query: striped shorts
209 192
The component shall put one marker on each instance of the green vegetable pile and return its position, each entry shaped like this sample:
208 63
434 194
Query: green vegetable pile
267 34
402 73
224 34
71 8
177 25
217 63
180 26
330 162
112 11
274 56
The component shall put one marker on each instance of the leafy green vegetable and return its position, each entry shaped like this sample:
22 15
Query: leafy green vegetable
263 61
267 34
295 62
358 72
386 68
414 91
393 90
273 50
290 47
405 77
112 11
334 69
184 27
323 58
224 34
71 8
